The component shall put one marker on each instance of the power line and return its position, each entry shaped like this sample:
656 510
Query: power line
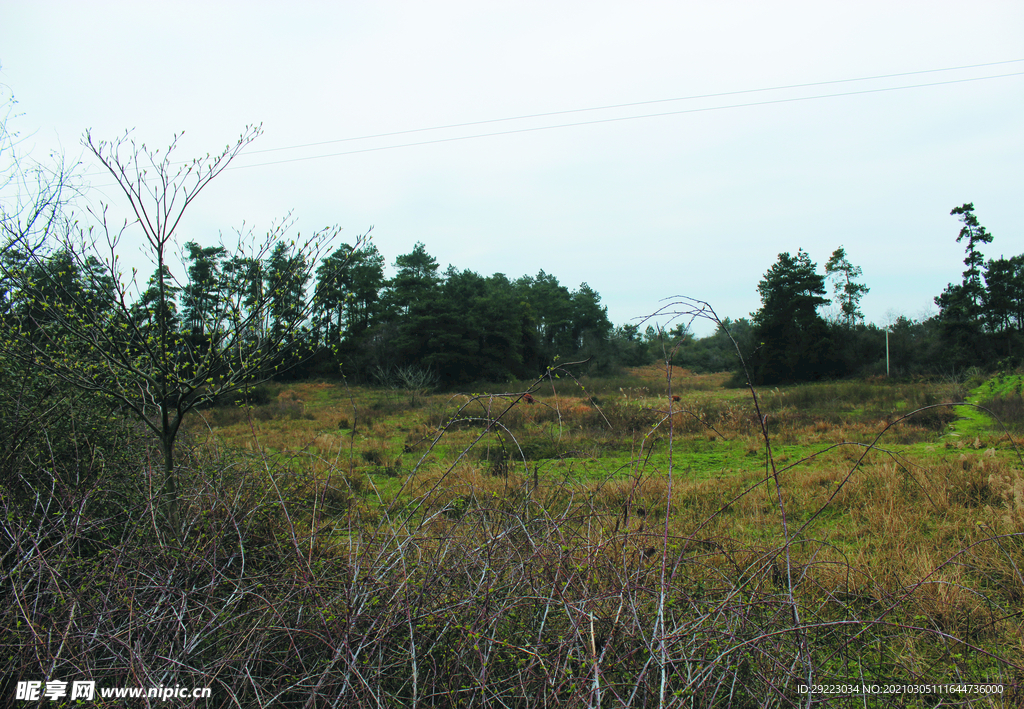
611 120
623 118
630 105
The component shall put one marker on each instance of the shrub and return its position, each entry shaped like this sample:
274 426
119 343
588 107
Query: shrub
1008 408
935 418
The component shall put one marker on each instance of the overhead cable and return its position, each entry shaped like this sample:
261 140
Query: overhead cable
613 120
630 105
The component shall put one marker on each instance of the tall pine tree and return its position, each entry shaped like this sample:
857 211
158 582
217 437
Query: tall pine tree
793 339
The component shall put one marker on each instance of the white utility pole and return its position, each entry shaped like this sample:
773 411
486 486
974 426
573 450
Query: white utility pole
887 353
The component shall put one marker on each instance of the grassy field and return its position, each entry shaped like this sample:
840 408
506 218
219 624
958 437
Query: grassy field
656 537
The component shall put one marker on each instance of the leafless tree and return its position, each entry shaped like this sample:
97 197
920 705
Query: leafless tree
95 334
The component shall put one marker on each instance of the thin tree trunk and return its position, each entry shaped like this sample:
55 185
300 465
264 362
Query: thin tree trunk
170 488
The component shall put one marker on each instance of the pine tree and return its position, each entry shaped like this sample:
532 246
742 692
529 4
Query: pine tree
961 305
847 291
965 302
794 341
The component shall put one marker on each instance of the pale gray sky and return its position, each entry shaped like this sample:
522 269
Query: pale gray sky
697 203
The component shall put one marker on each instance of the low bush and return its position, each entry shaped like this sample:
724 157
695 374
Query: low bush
1008 409
934 418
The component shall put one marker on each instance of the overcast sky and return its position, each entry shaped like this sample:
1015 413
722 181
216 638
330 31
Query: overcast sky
698 203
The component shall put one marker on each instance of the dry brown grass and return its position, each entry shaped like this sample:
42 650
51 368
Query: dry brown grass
920 552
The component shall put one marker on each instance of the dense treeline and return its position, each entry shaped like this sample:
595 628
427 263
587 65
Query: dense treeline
980 321
980 324
455 326
440 327
297 309
452 327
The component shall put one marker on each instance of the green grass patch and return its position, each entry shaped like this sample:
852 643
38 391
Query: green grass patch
1001 408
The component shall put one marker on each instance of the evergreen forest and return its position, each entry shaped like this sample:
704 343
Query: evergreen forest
453 327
